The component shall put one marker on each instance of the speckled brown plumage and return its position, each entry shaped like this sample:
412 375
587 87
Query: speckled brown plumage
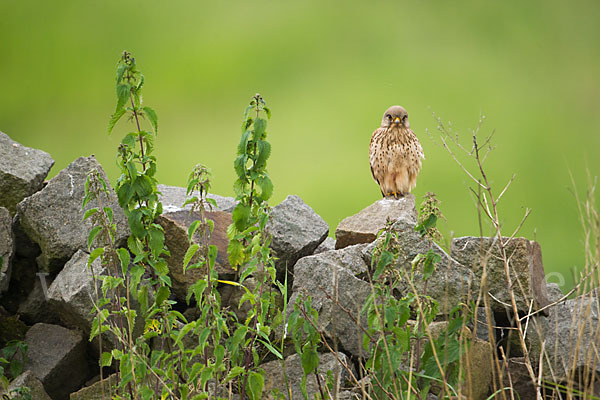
395 154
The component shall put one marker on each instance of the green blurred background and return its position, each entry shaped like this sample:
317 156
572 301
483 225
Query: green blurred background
328 70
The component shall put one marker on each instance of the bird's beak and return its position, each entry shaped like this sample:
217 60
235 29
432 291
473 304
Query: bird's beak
397 121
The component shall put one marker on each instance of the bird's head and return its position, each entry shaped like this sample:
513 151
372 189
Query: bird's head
395 116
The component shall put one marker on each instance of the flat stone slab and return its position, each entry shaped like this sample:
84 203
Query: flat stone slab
22 171
56 356
364 226
53 217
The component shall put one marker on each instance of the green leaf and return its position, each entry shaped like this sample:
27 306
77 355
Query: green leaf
106 359
267 111
255 384
162 294
243 146
239 165
92 235
124 194
240 216
191 251
114 119
266 187
157 240
122 95
271 349
90 212
424 226
135 223
260 125
192 228
309 358
109 213
120 71
142 186
151 115
235 251
95 254
264 151
124 257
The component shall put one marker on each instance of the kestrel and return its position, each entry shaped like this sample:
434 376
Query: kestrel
395 154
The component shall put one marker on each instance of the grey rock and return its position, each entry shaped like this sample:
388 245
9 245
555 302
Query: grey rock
570 334
451 282
173 197
364 226
7 248
22 171
328 244
526 267
35 308
56 356
72 292
99 390
175 225
335 275
297 231
53 216
554 292
27 380
274 378
482 323
517 378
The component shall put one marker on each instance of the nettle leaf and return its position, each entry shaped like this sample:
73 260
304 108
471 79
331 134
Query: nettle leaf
106 359
124 194
152 117
142 186
243 146
255 384
309 358
267 111
260 126
115 118
235 251
95 254
135 223
240 216
424 226
162 294
157 240
239 165
90 212
266 187
124 257
130 139
191 251
92 235
120 71
264 151
123 90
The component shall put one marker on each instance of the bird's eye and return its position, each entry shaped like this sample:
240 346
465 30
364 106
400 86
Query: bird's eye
388 116
404 117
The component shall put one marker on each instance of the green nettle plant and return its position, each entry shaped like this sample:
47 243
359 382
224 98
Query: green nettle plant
12 358
249 246
404 360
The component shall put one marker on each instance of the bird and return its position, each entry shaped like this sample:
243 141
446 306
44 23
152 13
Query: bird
395 154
